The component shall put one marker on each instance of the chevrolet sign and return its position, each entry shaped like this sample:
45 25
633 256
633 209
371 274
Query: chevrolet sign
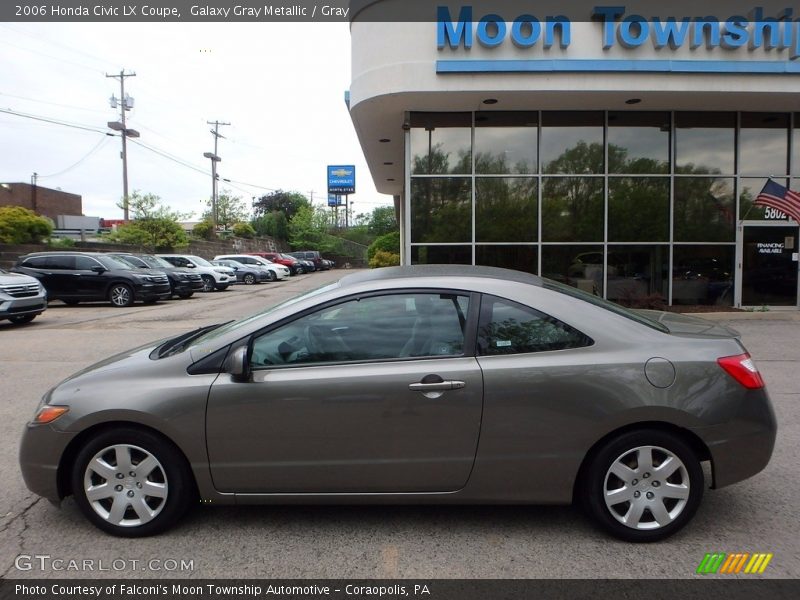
341 179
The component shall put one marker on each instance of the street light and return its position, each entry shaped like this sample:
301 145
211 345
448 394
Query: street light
214 160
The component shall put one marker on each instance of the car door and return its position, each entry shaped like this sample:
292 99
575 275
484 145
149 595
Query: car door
373 394
90 283
58 276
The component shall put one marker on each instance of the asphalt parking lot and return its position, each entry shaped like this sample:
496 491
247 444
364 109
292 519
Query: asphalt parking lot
758 515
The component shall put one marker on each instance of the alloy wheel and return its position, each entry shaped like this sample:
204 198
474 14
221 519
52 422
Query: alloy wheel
121 295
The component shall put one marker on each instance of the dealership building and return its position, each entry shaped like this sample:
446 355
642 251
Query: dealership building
607 147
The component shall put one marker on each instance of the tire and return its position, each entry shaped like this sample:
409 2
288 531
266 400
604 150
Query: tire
185 295
71 302
208 283
640 504
300 271
271 276
249 279
120 295
222 287
145 497
22 319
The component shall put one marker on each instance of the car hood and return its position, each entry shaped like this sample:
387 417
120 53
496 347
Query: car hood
689 326
16 279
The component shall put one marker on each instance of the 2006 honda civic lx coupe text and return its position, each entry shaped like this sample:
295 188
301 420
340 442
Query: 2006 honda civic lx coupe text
437 384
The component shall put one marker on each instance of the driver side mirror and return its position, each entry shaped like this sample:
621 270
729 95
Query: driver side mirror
98 269
191 265
238 365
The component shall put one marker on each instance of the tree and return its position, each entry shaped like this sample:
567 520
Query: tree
244 230
204 230
154 225
382 221
389 243
230 210
286 202
22 226
273 224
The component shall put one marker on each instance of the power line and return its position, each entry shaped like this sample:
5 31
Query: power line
97 146
15 113
52 103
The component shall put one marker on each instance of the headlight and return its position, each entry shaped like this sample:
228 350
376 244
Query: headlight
143 277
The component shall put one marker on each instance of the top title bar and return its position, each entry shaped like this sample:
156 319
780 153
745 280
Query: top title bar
255 11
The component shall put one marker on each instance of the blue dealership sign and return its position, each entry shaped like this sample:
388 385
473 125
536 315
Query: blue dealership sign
341 179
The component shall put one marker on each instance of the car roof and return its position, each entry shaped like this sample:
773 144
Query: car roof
68 252
429 271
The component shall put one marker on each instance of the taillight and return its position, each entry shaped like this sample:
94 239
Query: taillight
742 368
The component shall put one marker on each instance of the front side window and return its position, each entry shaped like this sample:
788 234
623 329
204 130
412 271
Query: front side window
507 327
388 327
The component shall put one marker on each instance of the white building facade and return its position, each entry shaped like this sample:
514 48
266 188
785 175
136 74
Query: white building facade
613 148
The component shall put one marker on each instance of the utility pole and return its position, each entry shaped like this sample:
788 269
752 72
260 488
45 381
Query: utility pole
126 103
34 179
214 160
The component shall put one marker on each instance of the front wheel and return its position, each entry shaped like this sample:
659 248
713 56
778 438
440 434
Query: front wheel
271 276
249 279
643 486
22 319
185 295
120 295
208 283
131 483
222 287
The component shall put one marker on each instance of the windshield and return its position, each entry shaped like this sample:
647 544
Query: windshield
130 260
234 325
200 262
155 262
568 290
112 262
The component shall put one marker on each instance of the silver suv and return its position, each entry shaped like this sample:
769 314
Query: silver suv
22 298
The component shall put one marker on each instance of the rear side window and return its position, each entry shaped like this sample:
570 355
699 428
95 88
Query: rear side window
60 262
37 262
507 327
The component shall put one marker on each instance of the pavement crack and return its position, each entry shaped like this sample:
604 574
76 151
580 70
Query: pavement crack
20 536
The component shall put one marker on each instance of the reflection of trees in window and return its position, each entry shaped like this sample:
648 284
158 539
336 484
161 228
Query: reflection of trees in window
511 336
704 209
514 201
638 209
441 209
581 158
572 209
438 162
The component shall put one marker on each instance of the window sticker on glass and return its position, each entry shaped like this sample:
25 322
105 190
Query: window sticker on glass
503 343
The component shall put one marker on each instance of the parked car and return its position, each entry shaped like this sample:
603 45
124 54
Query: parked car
22 298
182 282
294 266
74 277
244 273
278 271
214 277
313 256
429 384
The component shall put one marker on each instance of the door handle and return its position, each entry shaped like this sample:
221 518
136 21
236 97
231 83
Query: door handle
437 386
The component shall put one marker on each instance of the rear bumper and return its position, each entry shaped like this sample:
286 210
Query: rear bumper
743 446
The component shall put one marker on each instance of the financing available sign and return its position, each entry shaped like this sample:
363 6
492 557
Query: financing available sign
341 179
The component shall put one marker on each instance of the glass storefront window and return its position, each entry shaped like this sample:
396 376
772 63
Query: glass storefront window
704 142
704 209
441 255
749 188
572 209
764 144
441 143
796 147
638 209
703 274
441 209
638 142
520 258
577 265
572 142
506 142
516 199
637 275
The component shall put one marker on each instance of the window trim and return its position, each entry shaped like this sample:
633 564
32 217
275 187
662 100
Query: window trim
470 328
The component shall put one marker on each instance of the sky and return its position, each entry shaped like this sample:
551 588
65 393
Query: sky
281 87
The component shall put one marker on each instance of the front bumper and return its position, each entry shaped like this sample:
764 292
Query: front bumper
40 453
17 307
148 291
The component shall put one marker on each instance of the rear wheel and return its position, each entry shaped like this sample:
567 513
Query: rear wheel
22 319
643 486
131 483
208 283
120 295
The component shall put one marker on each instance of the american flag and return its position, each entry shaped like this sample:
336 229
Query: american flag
780 198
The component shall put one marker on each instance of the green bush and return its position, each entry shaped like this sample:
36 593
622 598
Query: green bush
22 226
244 230
204 230
61 243
389 243
384 259
159 233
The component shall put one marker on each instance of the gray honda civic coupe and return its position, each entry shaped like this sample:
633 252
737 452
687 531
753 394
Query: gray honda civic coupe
425 384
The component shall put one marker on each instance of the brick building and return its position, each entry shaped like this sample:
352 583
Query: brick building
41 200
